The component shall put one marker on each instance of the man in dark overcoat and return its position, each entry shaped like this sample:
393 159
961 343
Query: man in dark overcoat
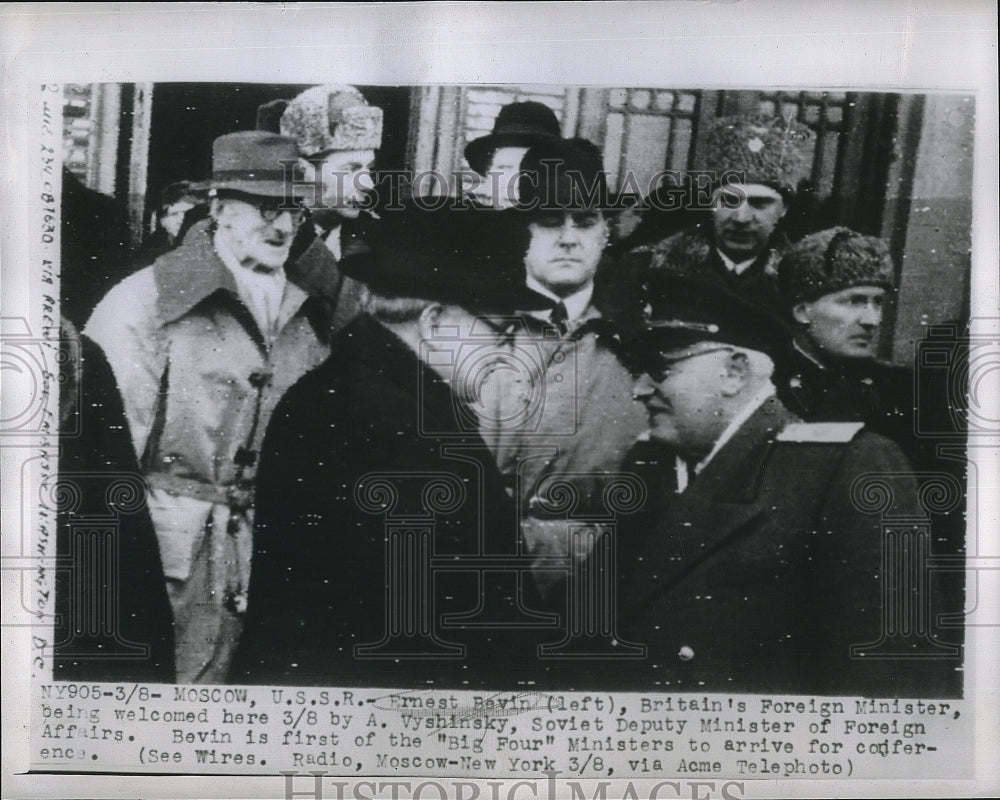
835 285
759 563
756 166
111 572
373 464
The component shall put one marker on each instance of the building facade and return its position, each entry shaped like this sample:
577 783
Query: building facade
893 165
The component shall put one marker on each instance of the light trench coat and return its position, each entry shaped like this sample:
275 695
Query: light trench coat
560 420
199 382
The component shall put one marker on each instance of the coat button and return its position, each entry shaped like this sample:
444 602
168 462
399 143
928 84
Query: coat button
685 653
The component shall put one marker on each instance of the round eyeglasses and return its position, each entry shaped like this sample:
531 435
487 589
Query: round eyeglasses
270 213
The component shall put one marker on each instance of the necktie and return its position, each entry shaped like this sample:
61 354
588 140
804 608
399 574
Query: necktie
558 317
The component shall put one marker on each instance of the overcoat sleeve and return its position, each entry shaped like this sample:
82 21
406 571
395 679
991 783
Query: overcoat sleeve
126 327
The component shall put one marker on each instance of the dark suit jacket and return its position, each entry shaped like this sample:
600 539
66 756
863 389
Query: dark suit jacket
762 573
321 567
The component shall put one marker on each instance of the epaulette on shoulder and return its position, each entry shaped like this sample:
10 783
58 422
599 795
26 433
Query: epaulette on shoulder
820 432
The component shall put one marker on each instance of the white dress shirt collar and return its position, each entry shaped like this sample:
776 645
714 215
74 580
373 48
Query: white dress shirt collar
332 240
576 304
732 266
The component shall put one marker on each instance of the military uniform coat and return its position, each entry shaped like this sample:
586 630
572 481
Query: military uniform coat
763 572
890 401
693 252
880 395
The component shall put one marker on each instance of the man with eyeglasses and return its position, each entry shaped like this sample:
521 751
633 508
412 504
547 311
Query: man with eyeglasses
754 567
203 343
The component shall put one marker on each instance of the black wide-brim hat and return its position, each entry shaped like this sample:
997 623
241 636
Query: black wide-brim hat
448 250
517 125
565 175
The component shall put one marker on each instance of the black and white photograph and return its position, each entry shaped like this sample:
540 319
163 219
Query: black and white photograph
607 435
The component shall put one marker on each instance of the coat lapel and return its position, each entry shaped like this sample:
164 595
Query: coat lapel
187 275
721 505
192 272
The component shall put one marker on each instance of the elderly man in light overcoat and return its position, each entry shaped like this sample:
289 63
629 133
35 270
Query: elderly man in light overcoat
203 343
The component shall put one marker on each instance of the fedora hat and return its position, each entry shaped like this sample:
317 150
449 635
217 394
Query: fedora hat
269 115
254 162
443 249
564 175
517 125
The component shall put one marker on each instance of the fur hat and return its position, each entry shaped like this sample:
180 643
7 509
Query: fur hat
833 260
332 117
768 150
269 115
517 125
254 162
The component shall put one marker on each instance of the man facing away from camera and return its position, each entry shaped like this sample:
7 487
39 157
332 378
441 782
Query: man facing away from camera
337 133
756 567
381 434
203 343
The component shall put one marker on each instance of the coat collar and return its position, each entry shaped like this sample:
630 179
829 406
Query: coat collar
721 505
193 271
379 348
695 248
733 475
